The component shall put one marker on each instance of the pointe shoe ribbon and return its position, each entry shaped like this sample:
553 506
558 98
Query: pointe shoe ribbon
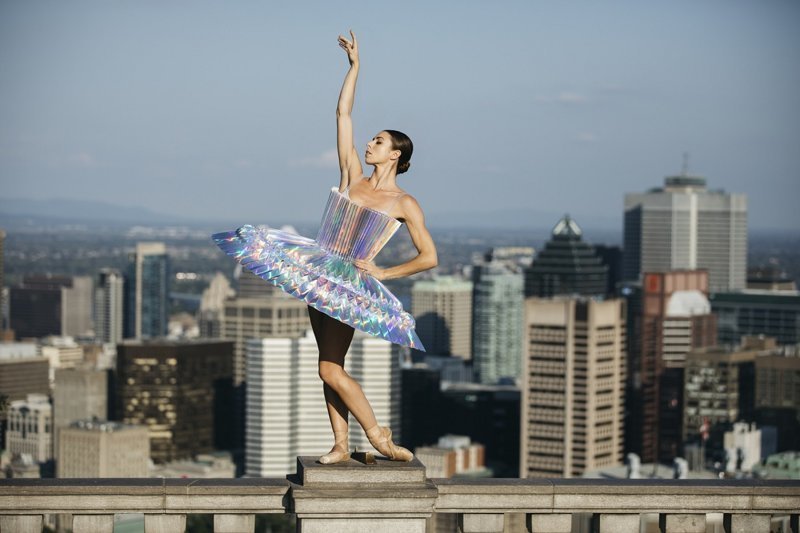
381 440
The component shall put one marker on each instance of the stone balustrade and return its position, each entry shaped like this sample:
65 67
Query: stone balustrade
397 497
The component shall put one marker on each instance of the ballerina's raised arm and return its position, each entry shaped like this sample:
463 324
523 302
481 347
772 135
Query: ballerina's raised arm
349 163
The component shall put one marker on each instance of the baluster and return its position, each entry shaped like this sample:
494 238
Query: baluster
481 522
618 523
747 523
550 523
682 523
93 523
22 523
164 523
234 523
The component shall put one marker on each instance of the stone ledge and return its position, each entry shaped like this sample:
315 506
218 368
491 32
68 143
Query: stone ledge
255 486
636 486
493 495
490 495
143 495
311 472
486 495
363 499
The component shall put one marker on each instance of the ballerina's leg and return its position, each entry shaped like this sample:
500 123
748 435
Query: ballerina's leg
333 340
337 410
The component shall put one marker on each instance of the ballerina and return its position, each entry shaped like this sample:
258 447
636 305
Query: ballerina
335 273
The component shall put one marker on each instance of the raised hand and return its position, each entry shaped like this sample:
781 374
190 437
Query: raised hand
351 47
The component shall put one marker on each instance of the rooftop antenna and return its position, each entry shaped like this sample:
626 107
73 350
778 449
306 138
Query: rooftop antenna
685 169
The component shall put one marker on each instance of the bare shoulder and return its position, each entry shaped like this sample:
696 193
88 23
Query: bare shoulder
411 209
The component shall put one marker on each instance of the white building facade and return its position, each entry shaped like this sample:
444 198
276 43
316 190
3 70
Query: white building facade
108 306
286 414
685 226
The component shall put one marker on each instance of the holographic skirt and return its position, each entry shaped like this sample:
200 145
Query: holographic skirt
325 281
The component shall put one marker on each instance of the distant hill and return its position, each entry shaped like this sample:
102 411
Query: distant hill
82 210
25 212
519 218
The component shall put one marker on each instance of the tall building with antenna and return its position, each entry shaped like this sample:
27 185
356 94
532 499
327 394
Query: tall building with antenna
685 226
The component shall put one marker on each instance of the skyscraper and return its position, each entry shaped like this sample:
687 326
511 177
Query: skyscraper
286 413
674 318
181 390
76 307
36 306
51 305
147 291
567 265
496 321
108 306
685 226
718 389
573 387
442 308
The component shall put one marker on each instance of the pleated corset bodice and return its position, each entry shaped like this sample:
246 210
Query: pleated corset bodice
353 231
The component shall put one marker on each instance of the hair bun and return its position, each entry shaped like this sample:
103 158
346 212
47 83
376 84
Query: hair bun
400 141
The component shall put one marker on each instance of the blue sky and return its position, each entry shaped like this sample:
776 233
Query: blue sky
225 110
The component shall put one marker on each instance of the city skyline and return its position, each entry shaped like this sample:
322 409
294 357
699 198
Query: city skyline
654 143
196 112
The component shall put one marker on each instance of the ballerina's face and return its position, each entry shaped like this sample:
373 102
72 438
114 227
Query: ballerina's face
380 149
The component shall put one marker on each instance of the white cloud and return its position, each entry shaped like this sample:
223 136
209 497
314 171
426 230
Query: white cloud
571 98
327 159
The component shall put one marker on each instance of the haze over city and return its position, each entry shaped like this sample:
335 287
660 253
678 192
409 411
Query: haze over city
226 112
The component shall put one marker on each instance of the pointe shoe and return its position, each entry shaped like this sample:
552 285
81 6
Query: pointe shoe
336 455
381 440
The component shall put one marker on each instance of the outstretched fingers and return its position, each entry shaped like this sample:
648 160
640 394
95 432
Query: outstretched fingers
351 47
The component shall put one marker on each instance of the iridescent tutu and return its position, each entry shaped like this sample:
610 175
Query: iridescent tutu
321 271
